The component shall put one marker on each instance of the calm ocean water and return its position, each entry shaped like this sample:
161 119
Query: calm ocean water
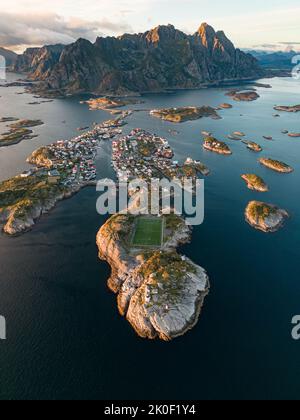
65 336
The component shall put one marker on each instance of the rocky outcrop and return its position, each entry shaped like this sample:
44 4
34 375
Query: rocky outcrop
180 115
214 145
160 292
255 147
162 58
243 96
265 217
255 182
276 165
41 157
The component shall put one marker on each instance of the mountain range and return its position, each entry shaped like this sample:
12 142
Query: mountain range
160 59
275 59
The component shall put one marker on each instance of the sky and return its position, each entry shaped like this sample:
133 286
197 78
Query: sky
268 24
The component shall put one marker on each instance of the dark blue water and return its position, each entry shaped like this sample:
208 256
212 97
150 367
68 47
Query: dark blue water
65 336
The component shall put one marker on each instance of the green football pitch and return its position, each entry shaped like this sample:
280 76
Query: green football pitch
148 232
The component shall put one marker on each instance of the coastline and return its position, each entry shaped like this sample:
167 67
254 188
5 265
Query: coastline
23 226
60 170
61 94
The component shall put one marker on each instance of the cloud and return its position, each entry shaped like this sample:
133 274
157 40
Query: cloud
278 46
289 43
49 28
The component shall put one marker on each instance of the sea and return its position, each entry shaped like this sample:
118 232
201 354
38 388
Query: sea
65 337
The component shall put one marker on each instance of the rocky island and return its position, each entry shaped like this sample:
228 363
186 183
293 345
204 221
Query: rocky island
180 115
25 124
265 217
160 292
214 145
255 183
295 108
25 198
225 106
243 96
276 165
19 131
8 119
251 145
108 104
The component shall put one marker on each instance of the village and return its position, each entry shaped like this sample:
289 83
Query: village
71 162
146 156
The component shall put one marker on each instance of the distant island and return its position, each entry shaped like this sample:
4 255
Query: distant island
160 59
256 183
265 217
251 145
276 165
18 131
160 292
214 145
8 119
295 108
242 96
180 115
108 104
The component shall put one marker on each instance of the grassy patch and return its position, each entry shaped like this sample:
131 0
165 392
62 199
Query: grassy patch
148 232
